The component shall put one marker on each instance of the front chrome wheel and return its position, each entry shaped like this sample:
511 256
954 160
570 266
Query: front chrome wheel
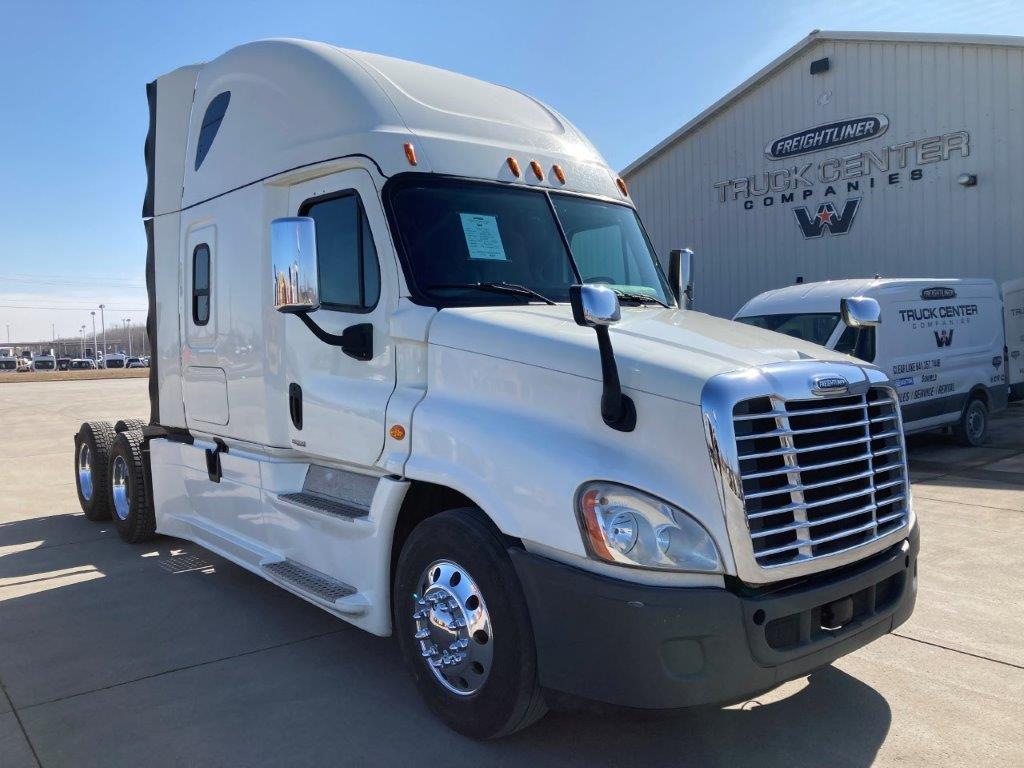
453 627
85 471
119 488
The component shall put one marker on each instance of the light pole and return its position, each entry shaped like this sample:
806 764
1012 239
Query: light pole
103 328
128 330
82 332
95 351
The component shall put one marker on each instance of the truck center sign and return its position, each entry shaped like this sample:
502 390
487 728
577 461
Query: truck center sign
852 174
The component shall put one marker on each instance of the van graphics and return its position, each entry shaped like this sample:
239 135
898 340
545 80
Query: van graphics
907 381
928 377
922 393
826 136
944 337
827 219
938 292
945 315
861 173
915 366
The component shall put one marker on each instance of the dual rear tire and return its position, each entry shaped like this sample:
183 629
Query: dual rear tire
112 478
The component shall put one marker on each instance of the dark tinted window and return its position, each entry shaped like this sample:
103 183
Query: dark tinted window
815 327
211 124
858 342
347 258
201 284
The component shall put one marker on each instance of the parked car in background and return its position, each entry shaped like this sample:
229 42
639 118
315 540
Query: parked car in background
134 362
63 363
45 362
940 341
8 364
82 364
115 360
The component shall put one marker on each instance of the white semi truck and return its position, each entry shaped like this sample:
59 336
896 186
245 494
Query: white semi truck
414 361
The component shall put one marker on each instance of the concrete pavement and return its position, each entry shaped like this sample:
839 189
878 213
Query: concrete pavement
165 654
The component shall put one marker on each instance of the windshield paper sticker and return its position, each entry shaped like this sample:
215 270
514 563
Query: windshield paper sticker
482 237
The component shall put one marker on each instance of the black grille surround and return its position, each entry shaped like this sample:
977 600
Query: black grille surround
820 476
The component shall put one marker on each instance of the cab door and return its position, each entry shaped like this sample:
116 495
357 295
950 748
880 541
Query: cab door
337 397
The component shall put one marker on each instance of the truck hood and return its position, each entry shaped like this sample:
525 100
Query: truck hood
666 352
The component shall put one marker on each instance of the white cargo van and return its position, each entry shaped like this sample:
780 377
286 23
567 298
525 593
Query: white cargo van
414 361
115 360
1013 314
940 342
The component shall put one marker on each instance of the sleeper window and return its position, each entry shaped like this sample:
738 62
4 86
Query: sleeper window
347 258
201 284
212 119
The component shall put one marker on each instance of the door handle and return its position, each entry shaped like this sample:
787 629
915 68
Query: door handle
295 404
356 341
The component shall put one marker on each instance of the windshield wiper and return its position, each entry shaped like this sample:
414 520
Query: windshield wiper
497 287
640 298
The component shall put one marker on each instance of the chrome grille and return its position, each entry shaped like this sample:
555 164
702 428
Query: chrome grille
820 476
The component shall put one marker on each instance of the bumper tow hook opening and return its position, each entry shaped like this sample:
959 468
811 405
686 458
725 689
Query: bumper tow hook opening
837 615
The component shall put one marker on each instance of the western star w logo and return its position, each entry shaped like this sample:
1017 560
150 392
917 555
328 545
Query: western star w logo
828 218
943 338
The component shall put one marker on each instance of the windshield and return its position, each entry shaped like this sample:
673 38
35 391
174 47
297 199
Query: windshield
814 327
8 365
461 239
45 364
114 363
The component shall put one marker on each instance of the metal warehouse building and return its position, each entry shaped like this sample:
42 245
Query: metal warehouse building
851 154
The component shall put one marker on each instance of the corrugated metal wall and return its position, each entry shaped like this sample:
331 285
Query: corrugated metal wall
931 227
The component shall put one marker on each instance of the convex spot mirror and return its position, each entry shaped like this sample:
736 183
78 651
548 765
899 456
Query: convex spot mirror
294 264
594 306
860 312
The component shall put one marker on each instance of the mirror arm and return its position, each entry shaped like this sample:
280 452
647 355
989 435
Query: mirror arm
356 341
617 409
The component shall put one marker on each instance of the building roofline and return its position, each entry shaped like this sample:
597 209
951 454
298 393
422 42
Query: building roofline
816 36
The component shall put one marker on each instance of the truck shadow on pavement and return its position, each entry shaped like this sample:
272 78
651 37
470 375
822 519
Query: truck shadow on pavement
166 654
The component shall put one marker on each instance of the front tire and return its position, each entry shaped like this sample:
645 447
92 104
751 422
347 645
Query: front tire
92 456
972 428
464 627
130 502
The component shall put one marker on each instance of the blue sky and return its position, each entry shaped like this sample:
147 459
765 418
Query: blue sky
628 73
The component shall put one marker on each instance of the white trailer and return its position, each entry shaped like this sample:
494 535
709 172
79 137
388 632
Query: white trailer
414 361
941 342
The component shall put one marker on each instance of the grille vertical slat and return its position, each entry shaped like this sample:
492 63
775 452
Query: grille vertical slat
819 477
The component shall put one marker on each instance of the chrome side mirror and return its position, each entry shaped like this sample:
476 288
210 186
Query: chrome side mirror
680 276
597 307
860 312
294 265
594 305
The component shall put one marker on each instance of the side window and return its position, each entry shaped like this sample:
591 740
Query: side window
858 342
349 273
211 124
201 284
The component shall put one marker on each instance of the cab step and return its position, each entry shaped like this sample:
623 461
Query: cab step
325 504
317 587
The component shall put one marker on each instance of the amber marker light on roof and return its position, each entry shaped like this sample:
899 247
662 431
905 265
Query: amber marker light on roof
622 187
410 153
513 165
559 173
397 432
537 171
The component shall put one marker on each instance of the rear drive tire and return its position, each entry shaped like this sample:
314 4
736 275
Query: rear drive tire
124 425
131 504
92 454
464 628
972 429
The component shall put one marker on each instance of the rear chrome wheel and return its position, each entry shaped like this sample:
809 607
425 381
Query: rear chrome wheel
453 628
85 471
119 490
92 468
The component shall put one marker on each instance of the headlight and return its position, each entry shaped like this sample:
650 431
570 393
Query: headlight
628 527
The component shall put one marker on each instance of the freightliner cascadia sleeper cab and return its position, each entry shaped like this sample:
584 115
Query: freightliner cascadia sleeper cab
415 361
